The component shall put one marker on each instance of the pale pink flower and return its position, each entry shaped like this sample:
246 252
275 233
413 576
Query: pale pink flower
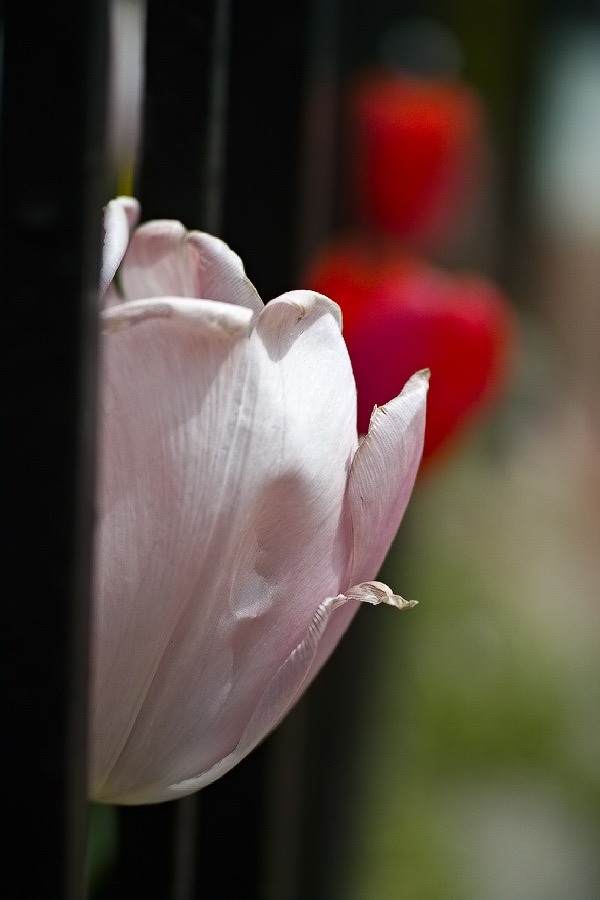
240 520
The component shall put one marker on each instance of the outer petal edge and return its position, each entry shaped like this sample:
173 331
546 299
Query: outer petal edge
229 282
383 473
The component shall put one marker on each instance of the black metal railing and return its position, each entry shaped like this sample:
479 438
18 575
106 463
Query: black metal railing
52 193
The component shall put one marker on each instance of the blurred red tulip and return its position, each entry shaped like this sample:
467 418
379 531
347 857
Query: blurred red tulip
401 314
420 149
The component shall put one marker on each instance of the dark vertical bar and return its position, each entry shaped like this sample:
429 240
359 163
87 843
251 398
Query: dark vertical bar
320 138
144 865
181 87
181 177
270 44
214 167
51 178
285 805
335 715
184 862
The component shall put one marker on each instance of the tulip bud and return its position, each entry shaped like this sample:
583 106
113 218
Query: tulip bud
419 154
241 522
401 314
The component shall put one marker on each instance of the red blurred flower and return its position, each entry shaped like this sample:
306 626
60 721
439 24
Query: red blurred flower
419 154
401 314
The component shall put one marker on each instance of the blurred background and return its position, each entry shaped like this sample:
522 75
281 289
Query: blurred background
454 753
478 767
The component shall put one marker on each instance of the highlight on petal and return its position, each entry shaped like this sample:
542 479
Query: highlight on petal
120 217
220 318
382 475
164 259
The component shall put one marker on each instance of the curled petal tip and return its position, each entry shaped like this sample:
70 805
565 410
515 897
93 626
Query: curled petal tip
120 216
375 592
418 381
302 303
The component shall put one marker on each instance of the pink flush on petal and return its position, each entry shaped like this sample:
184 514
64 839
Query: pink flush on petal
240 520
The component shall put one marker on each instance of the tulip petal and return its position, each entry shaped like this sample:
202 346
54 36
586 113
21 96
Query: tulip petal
164 259
223 473
289 681
120 217
382 476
